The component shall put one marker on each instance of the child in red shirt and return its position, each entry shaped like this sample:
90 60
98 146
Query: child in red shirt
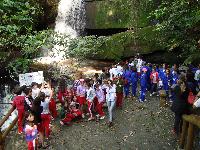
74 113
18 103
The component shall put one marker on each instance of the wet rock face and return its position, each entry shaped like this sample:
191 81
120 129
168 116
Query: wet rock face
50 12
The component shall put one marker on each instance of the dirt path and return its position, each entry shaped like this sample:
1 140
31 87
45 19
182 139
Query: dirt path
138 126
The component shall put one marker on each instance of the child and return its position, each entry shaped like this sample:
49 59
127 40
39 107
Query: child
111 100
80 94
18 103
28 101
143 84
154 81
100 101
45 115
35 90
73 113
167 81
52 106
119 91
90 98
31 132
134 81
127 80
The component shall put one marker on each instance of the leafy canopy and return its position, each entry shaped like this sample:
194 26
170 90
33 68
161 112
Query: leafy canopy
179 25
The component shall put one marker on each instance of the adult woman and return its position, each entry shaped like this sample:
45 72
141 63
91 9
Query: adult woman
179 105
110 99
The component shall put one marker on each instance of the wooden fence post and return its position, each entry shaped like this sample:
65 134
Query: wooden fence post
190 137
2 141
183 134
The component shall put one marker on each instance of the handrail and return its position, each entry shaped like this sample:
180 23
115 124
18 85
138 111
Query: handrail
189 121
9 128
7 116
6 131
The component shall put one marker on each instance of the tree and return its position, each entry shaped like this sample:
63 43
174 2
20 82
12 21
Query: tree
178 21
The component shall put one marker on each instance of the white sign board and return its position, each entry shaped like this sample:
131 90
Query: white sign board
28 78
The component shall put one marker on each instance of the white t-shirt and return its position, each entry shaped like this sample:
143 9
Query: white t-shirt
45 106
35 93
46 91
119 70
90 94
139 65
111 93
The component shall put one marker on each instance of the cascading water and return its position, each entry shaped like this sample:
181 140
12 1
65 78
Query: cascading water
70 22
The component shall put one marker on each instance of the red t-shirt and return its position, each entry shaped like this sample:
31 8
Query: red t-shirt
18 102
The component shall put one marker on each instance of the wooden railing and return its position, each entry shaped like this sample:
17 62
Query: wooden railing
6 131
189 121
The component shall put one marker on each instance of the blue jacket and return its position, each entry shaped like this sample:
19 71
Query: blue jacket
134 77
167 80
127 75
143 80
174 78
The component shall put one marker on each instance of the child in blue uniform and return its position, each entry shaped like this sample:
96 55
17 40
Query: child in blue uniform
167 81
134 80
143 84
127 80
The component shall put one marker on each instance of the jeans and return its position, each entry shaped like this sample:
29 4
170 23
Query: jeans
111 105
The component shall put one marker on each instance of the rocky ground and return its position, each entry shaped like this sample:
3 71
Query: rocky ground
138 126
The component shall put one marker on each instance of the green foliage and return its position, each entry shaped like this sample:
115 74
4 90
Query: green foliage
179 22
19 65
123 13
107 47
17 18
116 46
19 35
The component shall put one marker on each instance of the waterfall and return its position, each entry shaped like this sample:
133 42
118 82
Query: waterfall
70 22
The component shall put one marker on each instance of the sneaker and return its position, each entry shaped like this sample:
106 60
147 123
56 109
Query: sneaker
91 118
61 123
110 124
102 117
145 100
83 116
20 132
141 101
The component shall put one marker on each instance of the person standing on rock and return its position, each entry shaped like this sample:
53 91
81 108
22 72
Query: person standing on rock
111 100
